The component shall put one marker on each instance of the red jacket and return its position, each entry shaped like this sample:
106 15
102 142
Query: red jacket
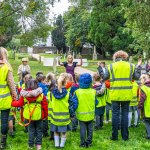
44 104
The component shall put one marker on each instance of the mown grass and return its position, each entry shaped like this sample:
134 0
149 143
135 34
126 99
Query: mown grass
101 139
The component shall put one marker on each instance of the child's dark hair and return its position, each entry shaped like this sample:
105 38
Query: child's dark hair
40 77
96 77
31 84
39 73
24 73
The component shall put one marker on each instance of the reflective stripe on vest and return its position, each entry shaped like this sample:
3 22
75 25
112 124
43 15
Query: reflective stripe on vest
146 90
5 95
59 120
3 86
121 81
85 112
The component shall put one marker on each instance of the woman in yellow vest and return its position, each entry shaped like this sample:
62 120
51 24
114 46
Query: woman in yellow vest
120 74
144 104
61 111
7 93
84 102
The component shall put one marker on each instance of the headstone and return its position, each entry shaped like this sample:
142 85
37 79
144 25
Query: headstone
55 65
94 54
84 62
130 59
48 61
30 50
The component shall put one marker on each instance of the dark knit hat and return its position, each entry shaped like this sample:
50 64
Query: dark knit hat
85 80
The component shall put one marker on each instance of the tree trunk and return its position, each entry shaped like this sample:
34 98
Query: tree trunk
103 52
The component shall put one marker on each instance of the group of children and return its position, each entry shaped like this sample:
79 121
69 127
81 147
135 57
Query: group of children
65 100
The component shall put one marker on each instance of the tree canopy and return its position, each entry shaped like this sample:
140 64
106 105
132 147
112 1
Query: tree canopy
27 18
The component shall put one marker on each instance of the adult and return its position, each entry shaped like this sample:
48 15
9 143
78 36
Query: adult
7 93
70 65
24 67
121 74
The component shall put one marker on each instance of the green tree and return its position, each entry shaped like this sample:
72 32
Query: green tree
107 27
25 17
137 14
77 27
58 37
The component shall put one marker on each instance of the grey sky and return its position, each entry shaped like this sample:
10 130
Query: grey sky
60 7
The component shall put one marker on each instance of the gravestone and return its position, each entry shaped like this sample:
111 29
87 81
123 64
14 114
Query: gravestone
48 61
55 61
84 62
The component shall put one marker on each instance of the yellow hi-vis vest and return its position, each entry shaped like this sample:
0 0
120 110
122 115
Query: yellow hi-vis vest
49 106
86 104
60 111
146 90
101 100
28 108
108 100
5 96
134 101
121 81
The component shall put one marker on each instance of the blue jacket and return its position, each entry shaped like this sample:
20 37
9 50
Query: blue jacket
44 88
56 93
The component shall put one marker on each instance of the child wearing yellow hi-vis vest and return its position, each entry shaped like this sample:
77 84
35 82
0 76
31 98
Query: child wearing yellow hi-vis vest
144 103
133 105
61 111
84 101
35 110
101 97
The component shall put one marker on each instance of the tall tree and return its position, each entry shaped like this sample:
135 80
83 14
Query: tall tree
27 17
107 28
58 37
77 27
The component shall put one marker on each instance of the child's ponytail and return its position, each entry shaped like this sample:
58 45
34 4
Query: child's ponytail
61 81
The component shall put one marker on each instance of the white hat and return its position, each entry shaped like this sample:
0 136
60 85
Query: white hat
25 59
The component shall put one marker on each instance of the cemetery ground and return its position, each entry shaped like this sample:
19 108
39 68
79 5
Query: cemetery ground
101 138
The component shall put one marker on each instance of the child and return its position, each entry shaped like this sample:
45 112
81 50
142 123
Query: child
100 108
35 109
74 87
70 66
144 104
133 106
41 83
51 84
61 111
84 105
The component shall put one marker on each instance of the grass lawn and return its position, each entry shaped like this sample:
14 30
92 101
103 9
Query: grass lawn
100 139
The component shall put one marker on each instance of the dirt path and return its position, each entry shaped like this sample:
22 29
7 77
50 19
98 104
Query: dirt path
80 70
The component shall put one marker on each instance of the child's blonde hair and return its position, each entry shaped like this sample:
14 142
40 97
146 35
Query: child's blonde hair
144 78
69 77
61 81
69 56
4 57
49 77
